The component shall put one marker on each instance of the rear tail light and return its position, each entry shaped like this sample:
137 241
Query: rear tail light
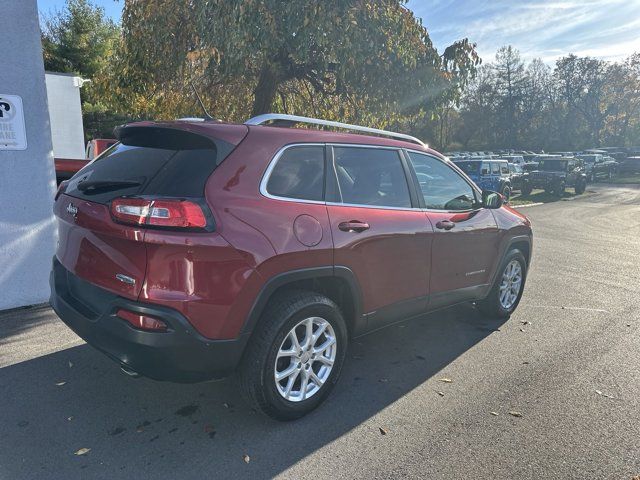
172 213
142 322
61 189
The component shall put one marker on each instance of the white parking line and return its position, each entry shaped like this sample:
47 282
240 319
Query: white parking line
529 205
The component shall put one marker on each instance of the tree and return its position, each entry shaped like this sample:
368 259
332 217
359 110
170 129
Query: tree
78 39
81 40
510 77
354 57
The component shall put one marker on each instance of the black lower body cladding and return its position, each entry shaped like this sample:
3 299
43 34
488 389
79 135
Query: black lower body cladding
178 355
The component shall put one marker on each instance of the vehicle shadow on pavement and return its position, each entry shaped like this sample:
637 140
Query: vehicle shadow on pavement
142 428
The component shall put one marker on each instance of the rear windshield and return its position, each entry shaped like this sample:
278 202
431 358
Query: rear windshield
552 165
469 167
159 162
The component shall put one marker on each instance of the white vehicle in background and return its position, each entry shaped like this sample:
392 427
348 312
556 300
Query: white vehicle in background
517 159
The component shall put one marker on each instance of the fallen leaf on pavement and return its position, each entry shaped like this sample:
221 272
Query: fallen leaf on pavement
69 418
383 431
522 329
525 322
440 393
495 414
599 392
446 380
383 380
515 414
246 458
83 451
70 364
59 384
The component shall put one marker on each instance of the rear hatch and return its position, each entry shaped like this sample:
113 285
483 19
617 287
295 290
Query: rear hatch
101 234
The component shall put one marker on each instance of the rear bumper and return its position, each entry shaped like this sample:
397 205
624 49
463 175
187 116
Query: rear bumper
179 355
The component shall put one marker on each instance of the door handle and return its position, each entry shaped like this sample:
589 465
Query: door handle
445 225
353 226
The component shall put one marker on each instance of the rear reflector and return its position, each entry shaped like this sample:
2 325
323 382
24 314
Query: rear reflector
142 322
158 212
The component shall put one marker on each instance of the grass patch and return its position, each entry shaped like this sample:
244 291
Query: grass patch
539 196
627 178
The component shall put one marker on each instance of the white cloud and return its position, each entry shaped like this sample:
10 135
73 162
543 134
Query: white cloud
602 28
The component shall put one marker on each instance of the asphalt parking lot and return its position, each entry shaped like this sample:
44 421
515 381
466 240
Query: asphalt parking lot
553 392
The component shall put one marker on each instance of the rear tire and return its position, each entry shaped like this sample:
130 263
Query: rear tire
581 186
493 305
526 188
288 315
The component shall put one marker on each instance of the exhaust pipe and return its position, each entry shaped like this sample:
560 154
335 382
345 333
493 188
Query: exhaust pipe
131 373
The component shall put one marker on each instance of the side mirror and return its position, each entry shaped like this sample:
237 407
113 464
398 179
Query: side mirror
491 199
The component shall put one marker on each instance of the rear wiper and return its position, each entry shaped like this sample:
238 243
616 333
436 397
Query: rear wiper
90 186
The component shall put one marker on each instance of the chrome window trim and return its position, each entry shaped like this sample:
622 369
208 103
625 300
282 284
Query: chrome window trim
377 207
272 165
447 163
279 153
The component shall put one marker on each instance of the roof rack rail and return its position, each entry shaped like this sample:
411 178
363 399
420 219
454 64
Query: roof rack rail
271 117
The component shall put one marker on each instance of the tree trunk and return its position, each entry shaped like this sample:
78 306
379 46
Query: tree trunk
265 91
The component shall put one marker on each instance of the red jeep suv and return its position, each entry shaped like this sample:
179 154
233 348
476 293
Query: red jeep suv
193 249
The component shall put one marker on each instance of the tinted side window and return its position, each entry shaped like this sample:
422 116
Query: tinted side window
495 168
371 176
442 187
504 168
485 169
299 173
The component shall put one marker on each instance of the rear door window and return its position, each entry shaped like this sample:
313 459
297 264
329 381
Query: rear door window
495 168
298 174
169 163
485 168
371 176
504 169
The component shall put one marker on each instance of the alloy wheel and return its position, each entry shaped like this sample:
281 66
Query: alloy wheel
305 359
510 284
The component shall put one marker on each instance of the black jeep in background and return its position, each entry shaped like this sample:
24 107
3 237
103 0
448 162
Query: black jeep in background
598 166
554 174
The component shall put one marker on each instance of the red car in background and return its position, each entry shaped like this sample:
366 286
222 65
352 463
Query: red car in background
193 250
68 167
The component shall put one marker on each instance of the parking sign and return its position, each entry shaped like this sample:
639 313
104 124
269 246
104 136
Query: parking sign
12 130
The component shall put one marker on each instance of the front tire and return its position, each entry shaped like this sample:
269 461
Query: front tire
559 189
294 358
581 186
507 289
526 188
506 193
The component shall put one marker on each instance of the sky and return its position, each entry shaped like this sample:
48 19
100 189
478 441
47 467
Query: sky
608 29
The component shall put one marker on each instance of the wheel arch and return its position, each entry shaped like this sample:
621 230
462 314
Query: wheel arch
522 243
338 283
